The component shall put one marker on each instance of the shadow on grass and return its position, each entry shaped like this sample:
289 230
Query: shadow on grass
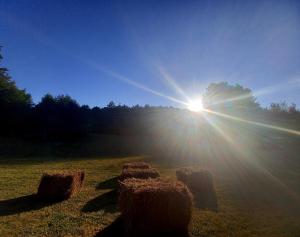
114 229
108 184
22 204
107 202
117 229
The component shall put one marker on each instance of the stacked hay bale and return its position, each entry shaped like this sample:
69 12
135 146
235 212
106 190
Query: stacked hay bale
61 185
200 183
155 206
138 170
139 173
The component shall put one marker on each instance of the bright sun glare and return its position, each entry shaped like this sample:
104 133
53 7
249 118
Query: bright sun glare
195 105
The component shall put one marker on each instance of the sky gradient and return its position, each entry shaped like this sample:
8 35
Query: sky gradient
137 52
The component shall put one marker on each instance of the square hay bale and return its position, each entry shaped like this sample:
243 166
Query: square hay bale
155 206
197 180
139 173
136 165
61 185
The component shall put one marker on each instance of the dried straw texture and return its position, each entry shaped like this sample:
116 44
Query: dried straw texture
60 186
197 180
139 173
136 165
155 206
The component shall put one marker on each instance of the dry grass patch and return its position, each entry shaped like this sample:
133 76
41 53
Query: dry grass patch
60 186
152 206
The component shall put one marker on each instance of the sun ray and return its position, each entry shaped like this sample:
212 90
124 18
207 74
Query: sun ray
140 86
172 82
281 129
253 162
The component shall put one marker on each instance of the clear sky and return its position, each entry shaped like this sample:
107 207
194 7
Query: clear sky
135 52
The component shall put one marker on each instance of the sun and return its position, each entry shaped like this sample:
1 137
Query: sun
195 105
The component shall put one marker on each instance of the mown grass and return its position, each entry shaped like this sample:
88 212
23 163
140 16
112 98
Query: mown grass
257 197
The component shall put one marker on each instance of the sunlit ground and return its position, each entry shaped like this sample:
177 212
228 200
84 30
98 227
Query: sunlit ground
256 183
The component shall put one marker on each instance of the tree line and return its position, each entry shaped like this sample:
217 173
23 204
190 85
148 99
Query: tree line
63 118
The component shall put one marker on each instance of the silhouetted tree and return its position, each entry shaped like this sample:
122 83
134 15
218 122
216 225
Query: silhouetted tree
111 105
283 107
222 96
10 94
278 107
14 104
292 109
60 117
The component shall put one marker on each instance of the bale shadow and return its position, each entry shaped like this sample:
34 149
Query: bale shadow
207 200
108 184
117 229
114 229
23 204
107 202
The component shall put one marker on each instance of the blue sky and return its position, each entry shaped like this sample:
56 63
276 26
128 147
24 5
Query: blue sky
137 52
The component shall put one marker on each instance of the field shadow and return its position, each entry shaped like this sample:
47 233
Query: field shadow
23 204
117 229
108 184
112 230
107 202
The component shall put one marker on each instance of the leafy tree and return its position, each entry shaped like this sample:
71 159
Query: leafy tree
111 105
278 107
292 109
10 94
59 117
222 96
15 105
283 107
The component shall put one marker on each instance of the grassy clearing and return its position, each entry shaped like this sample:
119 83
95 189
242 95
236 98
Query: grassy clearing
255 198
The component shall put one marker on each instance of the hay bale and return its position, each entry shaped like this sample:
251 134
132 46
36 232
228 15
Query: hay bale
139 173
197 180
136 165
155 206
60 186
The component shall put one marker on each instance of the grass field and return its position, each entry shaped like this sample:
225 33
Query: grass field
257 197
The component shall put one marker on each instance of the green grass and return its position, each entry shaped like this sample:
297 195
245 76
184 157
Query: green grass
258 195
